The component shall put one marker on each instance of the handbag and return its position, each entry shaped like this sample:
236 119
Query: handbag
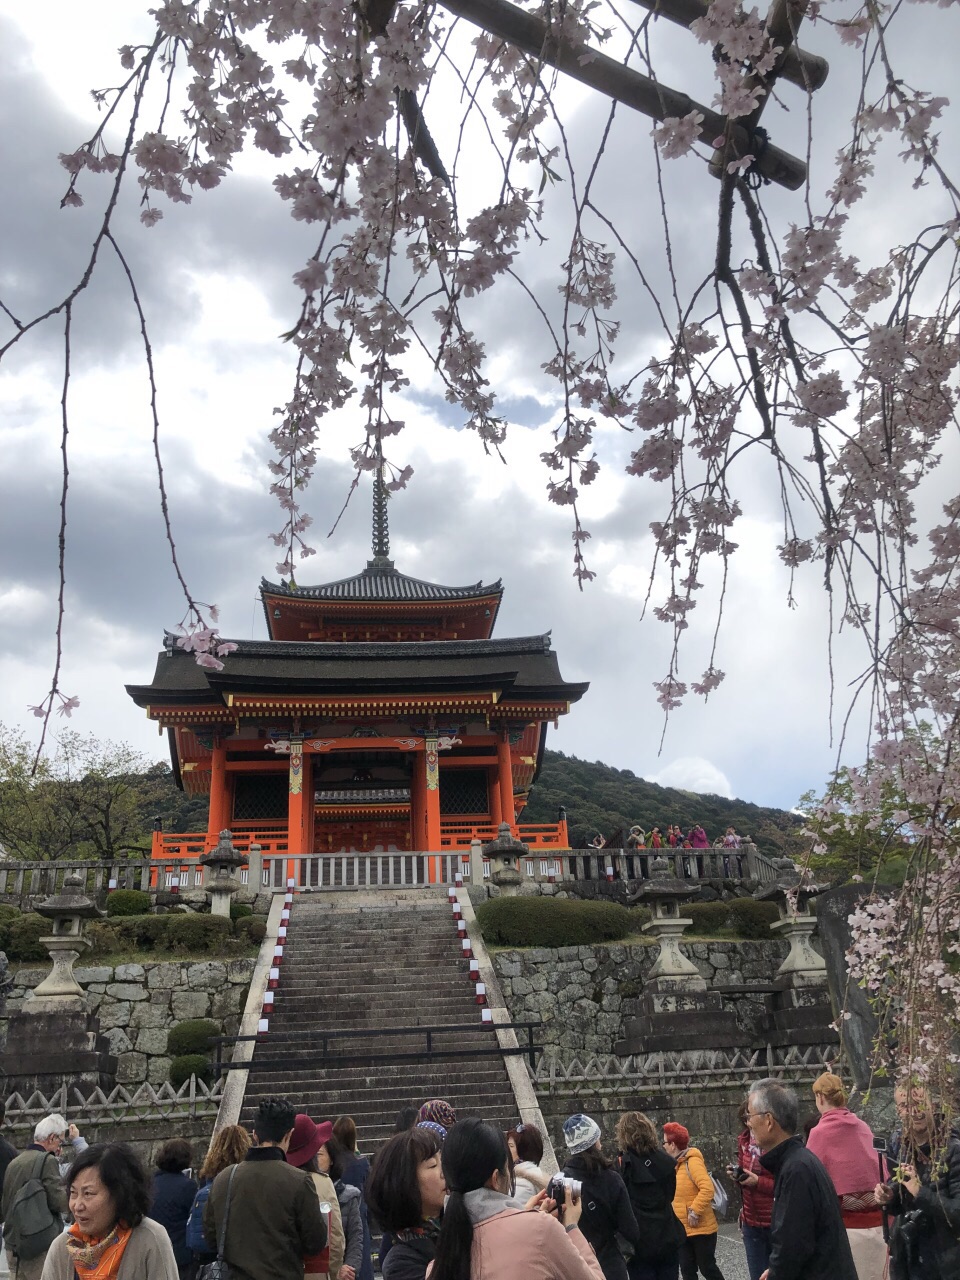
218 1269
719 1202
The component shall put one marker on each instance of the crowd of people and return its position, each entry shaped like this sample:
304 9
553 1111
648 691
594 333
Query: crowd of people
452 1198
674 837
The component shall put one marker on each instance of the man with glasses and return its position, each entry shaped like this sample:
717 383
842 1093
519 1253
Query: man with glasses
807 1237
33 1176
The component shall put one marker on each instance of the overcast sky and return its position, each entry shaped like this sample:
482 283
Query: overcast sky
216 285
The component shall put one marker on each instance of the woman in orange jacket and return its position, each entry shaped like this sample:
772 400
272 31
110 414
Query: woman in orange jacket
693 1205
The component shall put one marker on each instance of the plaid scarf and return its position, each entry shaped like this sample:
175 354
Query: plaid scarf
430 1229
98 1259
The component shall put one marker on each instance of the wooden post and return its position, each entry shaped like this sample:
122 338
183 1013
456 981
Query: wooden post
219 809
432 804
493 791
297 797
505 769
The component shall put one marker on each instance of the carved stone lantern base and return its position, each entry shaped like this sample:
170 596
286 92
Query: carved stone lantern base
60 982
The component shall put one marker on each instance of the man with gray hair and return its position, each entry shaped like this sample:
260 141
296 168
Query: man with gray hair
807 1237
34 1200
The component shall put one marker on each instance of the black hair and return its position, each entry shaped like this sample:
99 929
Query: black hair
122 1173
338 1158
473 1150
392 1191
174 1156
274 1119
406 1119
593 1160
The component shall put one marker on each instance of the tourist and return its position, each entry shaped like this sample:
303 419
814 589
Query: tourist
171 1200
228 1146
756 1194
651 1180
111 1237
405 1193
406 1119
925 1199
26 1247
807 1239
699 838
693 1206
731 840
656 839
486 1235
332 1159
525 1144
274 1220
355 1173
303 1152
8 1152
606 1205
843 1143
436 1111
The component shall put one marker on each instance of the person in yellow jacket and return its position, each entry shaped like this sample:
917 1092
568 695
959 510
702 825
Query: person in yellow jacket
693 1205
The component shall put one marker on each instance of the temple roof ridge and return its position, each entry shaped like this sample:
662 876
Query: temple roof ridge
380 580
376 648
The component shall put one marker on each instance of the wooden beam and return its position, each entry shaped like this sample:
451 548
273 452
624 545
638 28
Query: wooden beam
612 78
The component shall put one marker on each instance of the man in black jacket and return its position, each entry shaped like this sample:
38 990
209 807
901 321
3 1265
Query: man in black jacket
807 1236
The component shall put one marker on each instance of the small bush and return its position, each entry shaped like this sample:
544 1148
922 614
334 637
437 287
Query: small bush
193 933
251 928
191 1037
710 918
190 1064
105 938
752 919
8 915
552 922
24 938
240 909
128 902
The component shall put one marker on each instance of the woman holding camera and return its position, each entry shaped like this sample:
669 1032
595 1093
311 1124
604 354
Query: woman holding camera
756 1190
486 1235
607 1210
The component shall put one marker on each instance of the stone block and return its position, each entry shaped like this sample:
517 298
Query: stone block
150 1015
719 960
118 1040
93 973
164 977
189 1004
132 1068
126 991
207 975
591 964
541 955
114 1013
158 1070
128 973
610 1004
239 972
225 1002
151 1040
508 968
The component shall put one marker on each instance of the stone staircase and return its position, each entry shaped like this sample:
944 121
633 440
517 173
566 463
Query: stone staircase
369 963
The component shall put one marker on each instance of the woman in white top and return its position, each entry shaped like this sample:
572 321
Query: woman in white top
525 1144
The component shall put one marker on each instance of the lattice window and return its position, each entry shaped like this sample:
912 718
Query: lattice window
260 795
463 791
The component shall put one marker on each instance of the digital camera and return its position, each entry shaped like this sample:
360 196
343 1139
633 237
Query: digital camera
558 1188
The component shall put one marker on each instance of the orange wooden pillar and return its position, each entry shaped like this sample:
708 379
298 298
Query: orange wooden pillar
418 819
220 806
493 791
299 806
505 770
432 804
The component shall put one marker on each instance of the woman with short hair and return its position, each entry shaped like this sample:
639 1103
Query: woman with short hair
693 1205
111 1238
355 1173
332 1160
405 1193
651 1179
172 1197
525 1144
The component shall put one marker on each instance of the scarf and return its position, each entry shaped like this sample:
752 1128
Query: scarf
483 1203
430 1229
98 1259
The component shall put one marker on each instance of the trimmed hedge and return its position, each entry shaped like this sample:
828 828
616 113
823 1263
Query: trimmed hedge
553 922
240 909
128 902
196 933
8 915
744 918
190 1064
191 1037
251 928
24 937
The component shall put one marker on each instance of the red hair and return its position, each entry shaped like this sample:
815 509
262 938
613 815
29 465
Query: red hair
677 1134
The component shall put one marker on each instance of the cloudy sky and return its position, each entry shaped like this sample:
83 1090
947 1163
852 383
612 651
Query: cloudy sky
216 286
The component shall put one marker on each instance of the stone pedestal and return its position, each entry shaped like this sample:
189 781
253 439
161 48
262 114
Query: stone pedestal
800 1008
55 1040
476 864
220 883
60 982
505 853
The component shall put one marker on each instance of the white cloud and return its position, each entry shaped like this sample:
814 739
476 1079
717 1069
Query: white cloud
694 773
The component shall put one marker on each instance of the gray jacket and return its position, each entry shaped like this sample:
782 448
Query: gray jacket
349 1200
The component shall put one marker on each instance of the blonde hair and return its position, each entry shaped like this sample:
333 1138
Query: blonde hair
636 1132
227 1147
830 1088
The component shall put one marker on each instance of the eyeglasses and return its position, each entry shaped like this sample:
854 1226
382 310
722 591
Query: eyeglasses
752 1115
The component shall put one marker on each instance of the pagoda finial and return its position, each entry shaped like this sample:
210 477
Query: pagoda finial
381 526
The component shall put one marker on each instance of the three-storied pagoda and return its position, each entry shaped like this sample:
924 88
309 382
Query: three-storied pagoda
379 715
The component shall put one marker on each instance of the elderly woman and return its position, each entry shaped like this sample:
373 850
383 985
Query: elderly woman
111 1237
843 1144
693 1205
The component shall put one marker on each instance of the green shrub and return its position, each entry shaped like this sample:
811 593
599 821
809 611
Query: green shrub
8 915
191 1037
251 928
128 902
105 938
752 919
24 938
193 933
710 918
190 1064
240 909
552 922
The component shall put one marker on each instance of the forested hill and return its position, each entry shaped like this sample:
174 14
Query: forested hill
601 799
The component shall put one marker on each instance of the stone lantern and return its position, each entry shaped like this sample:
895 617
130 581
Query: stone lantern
677 1010
221 883
505 853
67 911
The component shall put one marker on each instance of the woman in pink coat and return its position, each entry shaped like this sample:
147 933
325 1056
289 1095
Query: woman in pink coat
486 1235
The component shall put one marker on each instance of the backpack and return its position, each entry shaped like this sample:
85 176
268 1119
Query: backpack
196 1240
31 1226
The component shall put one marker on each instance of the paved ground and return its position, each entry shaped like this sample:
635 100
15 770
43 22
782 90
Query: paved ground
731 1258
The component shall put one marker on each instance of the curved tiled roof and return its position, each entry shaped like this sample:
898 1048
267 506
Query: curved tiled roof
381 582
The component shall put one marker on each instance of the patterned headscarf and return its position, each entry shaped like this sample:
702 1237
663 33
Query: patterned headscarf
439 1112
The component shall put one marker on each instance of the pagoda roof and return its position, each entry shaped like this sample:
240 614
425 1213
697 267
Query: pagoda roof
523 668
381 581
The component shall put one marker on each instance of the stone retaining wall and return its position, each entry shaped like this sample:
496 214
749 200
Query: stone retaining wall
583 995
138 1004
